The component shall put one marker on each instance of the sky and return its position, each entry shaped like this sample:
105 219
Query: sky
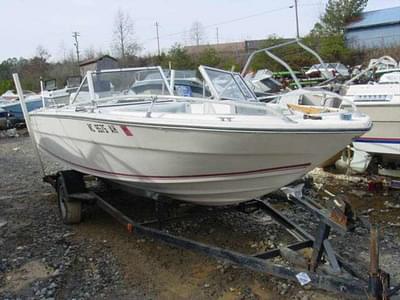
26 24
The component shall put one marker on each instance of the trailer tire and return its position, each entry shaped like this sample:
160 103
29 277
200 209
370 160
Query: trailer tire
70 210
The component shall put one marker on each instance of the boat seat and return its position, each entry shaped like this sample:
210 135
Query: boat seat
174 107
250 110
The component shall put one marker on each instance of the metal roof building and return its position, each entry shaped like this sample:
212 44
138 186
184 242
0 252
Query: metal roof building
238 50
375 29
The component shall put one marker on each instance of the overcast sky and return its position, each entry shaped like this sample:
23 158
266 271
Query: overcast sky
25 24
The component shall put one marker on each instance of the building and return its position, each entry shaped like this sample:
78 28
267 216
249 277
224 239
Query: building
237 50
375 29
96 64
234 49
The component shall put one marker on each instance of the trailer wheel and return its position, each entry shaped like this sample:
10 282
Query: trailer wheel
70 211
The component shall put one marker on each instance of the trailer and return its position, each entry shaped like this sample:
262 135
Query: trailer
324 270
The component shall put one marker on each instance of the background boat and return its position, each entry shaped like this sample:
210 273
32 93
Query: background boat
15 110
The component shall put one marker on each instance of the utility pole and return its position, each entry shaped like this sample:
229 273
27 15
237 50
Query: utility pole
196 33
75 35
217 31
297 19
158 39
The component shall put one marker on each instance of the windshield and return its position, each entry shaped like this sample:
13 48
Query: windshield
124 82
393 77
322 66
73 81
227 85
181 74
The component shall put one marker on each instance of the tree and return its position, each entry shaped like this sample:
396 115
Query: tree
196 33
7 67
333 49
89 53
179 58
338 13
123 36
40 62
42 53
63 69
209 57
6 85
229 63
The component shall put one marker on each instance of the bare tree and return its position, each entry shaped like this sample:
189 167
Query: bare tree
124 41
196 33
62 50
42 53
41 59
89 53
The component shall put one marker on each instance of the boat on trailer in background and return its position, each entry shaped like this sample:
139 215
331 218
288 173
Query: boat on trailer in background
49 96
380 100
13 108
55 96
11 95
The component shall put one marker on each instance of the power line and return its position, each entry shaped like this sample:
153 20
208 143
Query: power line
223 23
229 21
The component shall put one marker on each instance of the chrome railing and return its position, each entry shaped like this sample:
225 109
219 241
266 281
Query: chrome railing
281 61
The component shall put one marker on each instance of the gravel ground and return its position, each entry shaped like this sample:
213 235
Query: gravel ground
41 258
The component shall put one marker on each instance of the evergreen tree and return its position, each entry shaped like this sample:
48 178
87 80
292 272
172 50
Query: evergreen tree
179 58
338 13
209 57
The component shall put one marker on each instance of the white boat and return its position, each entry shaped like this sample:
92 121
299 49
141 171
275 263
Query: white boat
383 65
50 96
263 83
381 101
11 95
222 150
59 97
182 83
328 70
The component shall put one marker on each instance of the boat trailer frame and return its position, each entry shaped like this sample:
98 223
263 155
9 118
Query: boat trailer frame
338 277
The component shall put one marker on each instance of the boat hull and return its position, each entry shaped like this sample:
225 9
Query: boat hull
384 137
15 109
3 119
382 103
204 166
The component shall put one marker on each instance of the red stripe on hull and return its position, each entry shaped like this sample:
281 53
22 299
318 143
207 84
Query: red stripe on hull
267 170
126 130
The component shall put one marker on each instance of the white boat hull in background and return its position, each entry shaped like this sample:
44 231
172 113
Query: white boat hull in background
205 166
384 137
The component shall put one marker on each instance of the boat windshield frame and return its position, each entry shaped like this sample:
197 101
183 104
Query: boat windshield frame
88 79
237 79
279 60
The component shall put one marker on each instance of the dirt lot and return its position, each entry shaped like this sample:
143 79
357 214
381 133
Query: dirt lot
41 258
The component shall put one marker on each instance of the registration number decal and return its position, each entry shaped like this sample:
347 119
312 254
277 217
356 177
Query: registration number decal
102 128
109 129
